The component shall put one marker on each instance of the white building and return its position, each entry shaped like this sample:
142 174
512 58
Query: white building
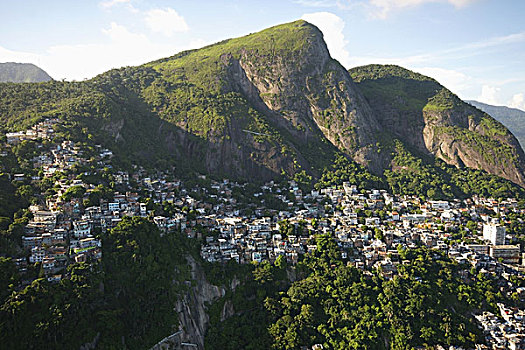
373 221
37 255
48 263
494 233
439 205
112 206
81 229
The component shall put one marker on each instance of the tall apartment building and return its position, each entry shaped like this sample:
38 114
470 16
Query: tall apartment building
494 233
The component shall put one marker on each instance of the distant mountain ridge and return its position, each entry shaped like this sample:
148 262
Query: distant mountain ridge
512 118
268 105
22 73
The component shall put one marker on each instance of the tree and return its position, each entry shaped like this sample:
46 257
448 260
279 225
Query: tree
73 192
379 234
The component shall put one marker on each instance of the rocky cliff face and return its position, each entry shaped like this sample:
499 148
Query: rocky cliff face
308 94
297 96
426 116
463 136
191 309
312 96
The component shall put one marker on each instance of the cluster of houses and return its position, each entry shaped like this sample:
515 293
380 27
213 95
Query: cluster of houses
42 130
62 157
369 240
54 239
58 232
369 226
506 331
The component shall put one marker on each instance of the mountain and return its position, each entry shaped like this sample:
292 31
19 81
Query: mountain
268 104
512 118
253 107
22 73
431 120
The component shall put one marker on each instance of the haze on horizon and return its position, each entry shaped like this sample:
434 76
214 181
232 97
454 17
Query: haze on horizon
473 47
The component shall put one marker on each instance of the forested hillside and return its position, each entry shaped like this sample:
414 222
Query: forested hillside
126 300
429 303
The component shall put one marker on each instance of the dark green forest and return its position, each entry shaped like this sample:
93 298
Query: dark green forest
328 302
127 299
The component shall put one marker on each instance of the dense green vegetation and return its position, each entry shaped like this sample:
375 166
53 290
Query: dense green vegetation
420 176
11 200
400 88
44 315
343 169
247 328
442 101
338 306
99 111
127 298
432 178
15 197
380 71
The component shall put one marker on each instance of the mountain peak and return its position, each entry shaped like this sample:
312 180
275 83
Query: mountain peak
22 73
383 71
291 30
289 37
275 47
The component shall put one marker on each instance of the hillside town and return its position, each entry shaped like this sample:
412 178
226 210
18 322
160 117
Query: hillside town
251 224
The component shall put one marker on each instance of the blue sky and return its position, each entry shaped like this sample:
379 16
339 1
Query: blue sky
476 48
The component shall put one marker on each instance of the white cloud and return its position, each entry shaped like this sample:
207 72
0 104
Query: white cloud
332 27
489 95
451 55
121 47
18 56
166 21
461 3
111 3
119 34
382 8
517 101
496 41
406 61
